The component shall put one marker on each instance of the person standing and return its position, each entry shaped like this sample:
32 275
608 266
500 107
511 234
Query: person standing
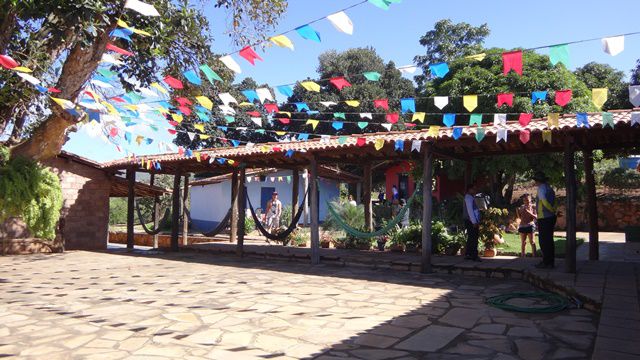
394 193
351 201
546 209
274 210
471 216
527 216
405 217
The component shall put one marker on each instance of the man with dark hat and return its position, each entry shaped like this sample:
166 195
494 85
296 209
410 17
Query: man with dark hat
546 219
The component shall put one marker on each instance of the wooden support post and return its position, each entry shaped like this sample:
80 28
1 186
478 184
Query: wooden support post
305 209
233 235
366 197
131 198
295 192
359 192
156 211
185 218
175 211
242 212
592 205
570 181
427 208
313 194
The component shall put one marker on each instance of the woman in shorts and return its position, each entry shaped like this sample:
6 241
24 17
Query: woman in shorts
527 216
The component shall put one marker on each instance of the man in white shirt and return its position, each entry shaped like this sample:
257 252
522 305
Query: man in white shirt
471 216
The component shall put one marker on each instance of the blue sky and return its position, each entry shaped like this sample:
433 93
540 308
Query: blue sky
395 33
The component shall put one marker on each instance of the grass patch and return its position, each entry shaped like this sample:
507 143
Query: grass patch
512 245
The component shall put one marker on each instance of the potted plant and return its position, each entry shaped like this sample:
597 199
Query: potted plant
325 240
382 242
490 229
394 245
454 243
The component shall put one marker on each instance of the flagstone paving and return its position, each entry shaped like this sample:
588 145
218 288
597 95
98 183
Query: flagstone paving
115 305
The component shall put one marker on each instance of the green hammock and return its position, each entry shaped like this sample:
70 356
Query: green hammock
367 235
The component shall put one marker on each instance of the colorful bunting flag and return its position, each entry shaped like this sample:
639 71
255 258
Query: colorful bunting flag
362 124
192 77
383 4
582 120
546 136
337 125
250 94
282 41
228 61
120 51
613 45
342 140
457 132
285 90
205 101
173 82
525 118
416 145
476 57
264 94
506 98
439 70
310 86
470 102
199 127
339 82
210 74
475 119
512 60
378 144
449 119
634 95
408 105
501 135
635 118
341 22
559 53
538 95
361 141
407 69
480 132
227 98
352 103
440 101
387 126
553 119
392 118
381 103
7 62
366 116
599 96
607 119
301 106
159 88
524 135
64 103
419 116
271 108
141 7
434 131
121 34
248 54
499 119
372 75
308 33
563 97
399 145
257 120
339 115
328 103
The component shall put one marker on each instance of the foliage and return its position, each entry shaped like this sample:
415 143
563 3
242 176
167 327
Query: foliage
285 216
635 73
490 225
512 245
299 237
450 211
595 75
249 224
32 192
117 211
351 215
605 165
411 236
251 20
619 178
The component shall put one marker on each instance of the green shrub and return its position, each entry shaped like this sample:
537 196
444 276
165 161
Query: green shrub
620 178
31 192
490 225
285 216
351 215
411 236
249 224
117 211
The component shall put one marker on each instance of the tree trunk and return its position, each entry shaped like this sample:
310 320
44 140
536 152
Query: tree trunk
6 28
48 138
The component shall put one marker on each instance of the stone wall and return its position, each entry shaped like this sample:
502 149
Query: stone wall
84 221
614 213
164 241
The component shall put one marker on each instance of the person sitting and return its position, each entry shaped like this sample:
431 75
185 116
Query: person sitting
527 217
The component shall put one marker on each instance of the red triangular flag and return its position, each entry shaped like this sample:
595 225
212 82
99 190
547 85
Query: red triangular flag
361 141
185 110
505 99
339 82
113 132
119 50
276 148
525 118
253 113
204 156
183 101
563 97
392 117
512 61
284 120
173 123
8 62
381 103
272 108
173 82
53 90
525 135
249 55
180 148
409 125
116 99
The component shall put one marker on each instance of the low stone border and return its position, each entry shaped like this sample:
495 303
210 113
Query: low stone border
28 246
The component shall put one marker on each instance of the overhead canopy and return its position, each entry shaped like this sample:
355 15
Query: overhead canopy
360 148
326 172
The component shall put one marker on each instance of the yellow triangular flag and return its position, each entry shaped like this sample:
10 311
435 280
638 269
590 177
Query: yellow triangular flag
476 57
22 69
352 103
264 148
204 101
231 162
112 110
313 123
244 103
282 41
131 107
434 131
418 116
288 114
546 136
204 137
64 103
281 133
197 155
177 118
139 139
598 96
553 119
470 102
123 24
199 127
310 86
378 144
159 87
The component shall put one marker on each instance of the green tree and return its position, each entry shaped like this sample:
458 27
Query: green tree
595 75
64 41
635 74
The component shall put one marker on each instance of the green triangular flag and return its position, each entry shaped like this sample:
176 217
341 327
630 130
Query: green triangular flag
372 75
559 53
475 119
339 115
289 179
479 134
210 74
607 119
362 124
134 97
259 131
229 119
342 140
106 73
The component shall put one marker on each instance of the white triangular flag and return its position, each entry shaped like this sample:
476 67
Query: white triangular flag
325 138
231 64
147 92
501 134
341 22
366 116
143 8
613 45
250 145
191 135
387 126
440 101
499 119
635 118
227 98
227 110
257 121
241 128
110 59
327 103
273 179
249 178
415 145
264 94
28 78
634 95
408 69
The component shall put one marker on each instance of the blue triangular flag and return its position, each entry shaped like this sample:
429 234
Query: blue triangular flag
439 70
193 77
337 125
538 95
303 137
202 116
127 136
251 95
457 132
289 153
220 160
188 153
302 106
235 142
408 104
285 90
157 166
149 141
94 115
399 145
121 33
449 119
307 32
42 89
223 128
582 119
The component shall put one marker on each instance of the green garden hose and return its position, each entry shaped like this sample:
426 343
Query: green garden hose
556 302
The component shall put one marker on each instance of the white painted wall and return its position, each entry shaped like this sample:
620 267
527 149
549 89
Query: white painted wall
210 203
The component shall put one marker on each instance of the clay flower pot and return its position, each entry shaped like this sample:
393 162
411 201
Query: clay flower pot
490 252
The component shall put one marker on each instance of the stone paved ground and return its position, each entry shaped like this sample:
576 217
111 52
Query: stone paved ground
197 306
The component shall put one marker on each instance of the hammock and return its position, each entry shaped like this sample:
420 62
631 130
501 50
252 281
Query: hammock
162 221
367 235
216 230
288 231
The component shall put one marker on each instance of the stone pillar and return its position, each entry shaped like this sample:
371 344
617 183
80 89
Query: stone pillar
175 211
427 208
233 235
242 212
131 198
313 194
570 183
366 198
592 205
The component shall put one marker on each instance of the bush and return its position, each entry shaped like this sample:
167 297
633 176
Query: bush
620 178
285 216
249 224
411 236
31 192
118 211
490 225
351 215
